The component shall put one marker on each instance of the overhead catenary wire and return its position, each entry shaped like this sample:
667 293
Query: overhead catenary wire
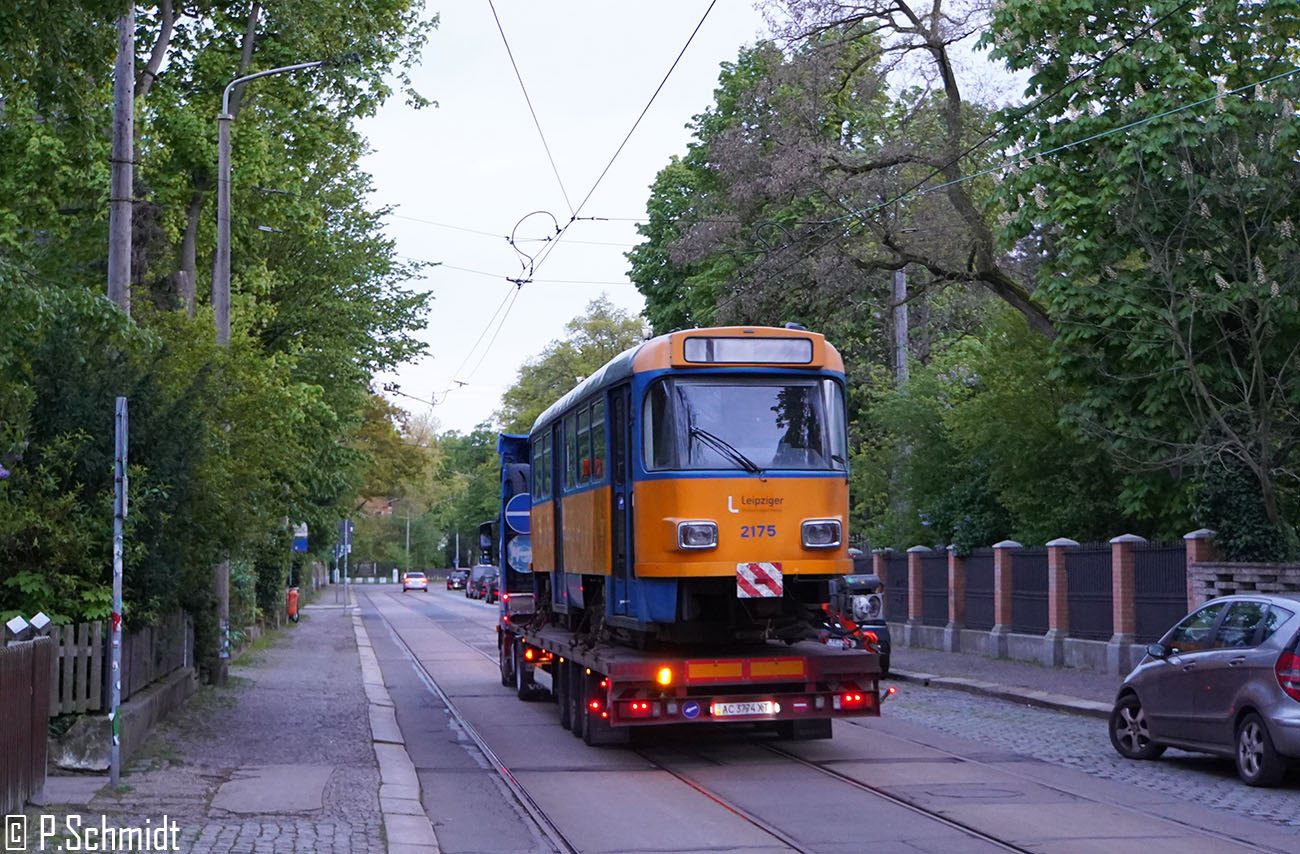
440 265
550 247
513 296
529 101
473 349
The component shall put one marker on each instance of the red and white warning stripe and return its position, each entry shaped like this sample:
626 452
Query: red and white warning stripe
758 580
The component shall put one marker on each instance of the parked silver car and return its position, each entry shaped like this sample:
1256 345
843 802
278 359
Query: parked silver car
1225 680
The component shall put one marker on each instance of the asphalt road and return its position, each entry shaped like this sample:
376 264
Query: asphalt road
1025 777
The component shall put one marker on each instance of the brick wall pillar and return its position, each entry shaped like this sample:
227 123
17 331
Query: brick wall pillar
1200 549
1058 602
956 601
1003 559
912 630
1119 650
880 564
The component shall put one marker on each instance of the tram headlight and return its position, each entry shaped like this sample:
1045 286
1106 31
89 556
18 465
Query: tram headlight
697 535
821 533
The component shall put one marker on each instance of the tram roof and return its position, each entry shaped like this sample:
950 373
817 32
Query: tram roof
665 351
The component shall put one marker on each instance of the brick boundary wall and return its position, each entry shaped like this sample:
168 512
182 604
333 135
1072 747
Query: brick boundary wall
1206 580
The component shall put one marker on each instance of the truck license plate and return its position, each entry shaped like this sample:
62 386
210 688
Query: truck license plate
729 710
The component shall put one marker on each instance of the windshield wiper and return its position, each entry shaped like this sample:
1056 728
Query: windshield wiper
723 446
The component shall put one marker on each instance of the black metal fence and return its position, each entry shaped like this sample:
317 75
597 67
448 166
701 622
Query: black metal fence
979 590
1160 586
934 588
1029 592
1088 592
896 598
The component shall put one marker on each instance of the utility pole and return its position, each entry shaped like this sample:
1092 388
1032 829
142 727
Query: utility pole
900 328
121 194
121 184
115 624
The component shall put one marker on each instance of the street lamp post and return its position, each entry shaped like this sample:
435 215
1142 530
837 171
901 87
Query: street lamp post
221 309
221 263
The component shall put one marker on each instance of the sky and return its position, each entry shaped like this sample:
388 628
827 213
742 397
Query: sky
463 176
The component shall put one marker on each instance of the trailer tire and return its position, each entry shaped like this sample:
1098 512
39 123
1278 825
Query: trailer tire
562 694
525 689
506 652
578 698
597 731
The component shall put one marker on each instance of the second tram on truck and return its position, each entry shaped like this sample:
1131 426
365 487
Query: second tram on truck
694 490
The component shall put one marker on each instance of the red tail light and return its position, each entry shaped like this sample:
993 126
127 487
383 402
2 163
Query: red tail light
1288 674
851 700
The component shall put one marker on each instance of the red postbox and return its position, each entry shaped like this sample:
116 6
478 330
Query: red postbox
291 599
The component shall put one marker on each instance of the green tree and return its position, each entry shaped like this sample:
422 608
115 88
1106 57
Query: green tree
226 443
593 339
1172 263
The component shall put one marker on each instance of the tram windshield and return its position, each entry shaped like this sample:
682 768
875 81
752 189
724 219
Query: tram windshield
749 425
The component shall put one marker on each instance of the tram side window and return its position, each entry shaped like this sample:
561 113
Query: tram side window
537 468
584 445
598 441
542 467
548 466
660 448
570 451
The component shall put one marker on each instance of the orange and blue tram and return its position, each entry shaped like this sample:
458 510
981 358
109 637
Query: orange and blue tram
694 489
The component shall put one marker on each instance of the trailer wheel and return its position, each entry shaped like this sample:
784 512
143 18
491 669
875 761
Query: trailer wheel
597 730
577 698
524 686
505 649
562 694
805 730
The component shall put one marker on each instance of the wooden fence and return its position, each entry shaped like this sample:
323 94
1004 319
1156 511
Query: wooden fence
77 676
78 680
24 694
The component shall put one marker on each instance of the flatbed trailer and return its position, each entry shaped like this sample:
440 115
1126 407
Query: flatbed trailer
605 690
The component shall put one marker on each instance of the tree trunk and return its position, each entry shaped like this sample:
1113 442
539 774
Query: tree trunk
167 21
186 285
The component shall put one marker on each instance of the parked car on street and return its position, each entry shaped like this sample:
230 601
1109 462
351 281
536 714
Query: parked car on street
456 579
1226 681
476 587
415 581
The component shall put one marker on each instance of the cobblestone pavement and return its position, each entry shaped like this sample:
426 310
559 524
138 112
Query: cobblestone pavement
1082 743
248 723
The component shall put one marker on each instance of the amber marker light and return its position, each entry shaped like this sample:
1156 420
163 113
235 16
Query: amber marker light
664 676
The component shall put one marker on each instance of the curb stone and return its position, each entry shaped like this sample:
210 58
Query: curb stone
406 826
1029 696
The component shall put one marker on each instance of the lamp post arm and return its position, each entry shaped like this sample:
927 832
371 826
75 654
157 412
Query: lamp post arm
221 257
225 95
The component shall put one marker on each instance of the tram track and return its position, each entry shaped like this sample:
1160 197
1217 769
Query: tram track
535 813
551 831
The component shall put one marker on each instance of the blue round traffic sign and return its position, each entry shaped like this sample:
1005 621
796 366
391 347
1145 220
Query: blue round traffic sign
518 511
691 709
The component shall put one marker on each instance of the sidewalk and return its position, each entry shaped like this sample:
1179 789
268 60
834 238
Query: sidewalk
294 754
1087 692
